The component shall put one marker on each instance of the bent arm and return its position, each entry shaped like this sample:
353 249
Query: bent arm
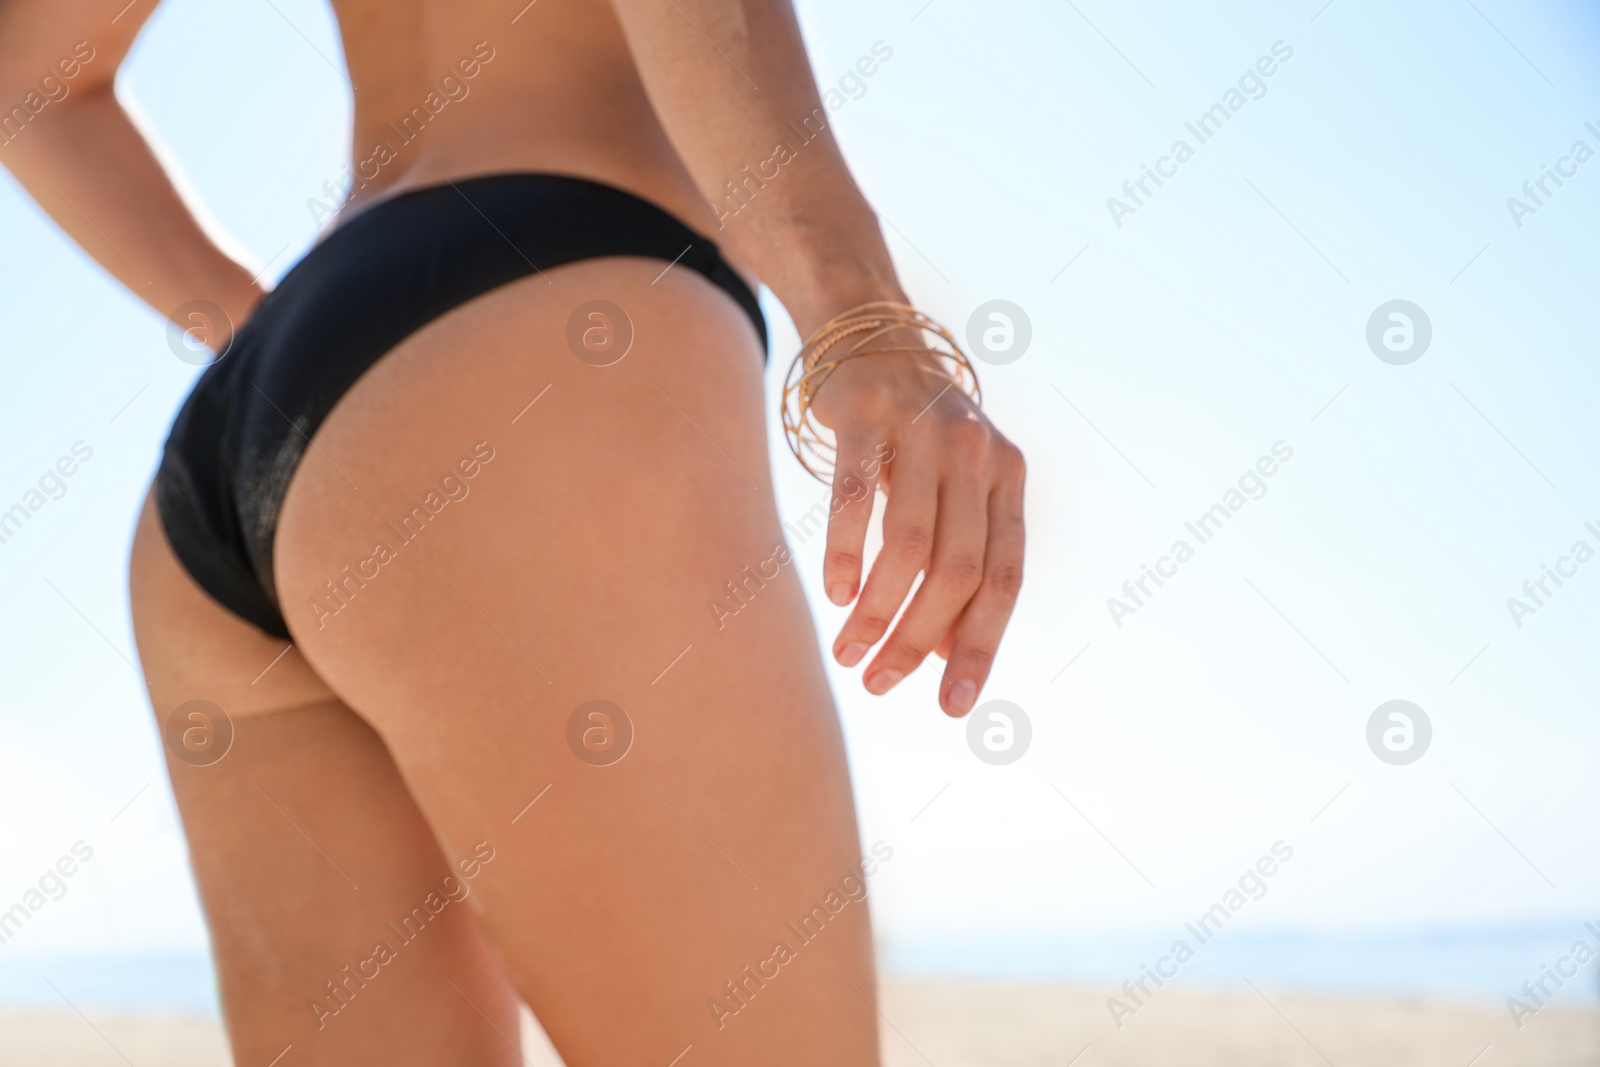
732 86
70 143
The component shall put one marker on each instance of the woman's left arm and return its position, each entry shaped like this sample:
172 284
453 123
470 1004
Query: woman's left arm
67 139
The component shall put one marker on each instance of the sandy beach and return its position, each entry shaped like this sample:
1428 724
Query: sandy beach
948 1024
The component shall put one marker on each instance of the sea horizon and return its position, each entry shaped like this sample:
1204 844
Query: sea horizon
1484 964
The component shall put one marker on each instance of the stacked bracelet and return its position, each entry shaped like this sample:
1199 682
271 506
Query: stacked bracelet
865 324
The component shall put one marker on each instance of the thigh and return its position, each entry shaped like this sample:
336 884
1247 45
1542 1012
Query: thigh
470 572
309 852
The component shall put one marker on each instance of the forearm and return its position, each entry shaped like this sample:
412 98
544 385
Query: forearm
732 86
88 167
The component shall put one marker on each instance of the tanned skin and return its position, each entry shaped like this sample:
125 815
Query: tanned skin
635 907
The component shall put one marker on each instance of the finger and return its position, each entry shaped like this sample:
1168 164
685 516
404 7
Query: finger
855 476
907 540
977 634
954 574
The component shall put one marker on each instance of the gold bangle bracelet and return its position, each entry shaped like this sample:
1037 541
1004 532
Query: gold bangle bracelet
866 324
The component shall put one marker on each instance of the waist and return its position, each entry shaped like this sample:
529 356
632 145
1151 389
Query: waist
498 138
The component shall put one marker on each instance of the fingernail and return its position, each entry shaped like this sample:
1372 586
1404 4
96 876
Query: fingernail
851 654
841 593
883 681
962 694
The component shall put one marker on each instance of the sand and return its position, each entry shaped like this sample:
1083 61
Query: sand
947 1024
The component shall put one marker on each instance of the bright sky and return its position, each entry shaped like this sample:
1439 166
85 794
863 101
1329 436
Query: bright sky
1228 312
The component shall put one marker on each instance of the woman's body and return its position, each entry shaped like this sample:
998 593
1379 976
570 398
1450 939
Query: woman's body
413 729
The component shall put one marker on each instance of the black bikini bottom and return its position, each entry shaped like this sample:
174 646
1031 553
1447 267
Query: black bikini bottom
376 279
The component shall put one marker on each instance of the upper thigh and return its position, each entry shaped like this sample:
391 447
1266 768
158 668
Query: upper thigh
305 845
191 648
583 562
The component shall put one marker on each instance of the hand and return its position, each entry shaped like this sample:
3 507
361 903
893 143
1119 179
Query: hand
954 485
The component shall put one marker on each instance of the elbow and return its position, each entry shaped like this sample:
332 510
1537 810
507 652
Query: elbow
79 70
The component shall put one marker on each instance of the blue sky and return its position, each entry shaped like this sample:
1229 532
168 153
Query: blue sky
1226 314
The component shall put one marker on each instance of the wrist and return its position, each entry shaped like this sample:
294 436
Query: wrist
813 314
881 364
873 383
831 288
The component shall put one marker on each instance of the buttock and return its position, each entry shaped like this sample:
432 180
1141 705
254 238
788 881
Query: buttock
380 277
